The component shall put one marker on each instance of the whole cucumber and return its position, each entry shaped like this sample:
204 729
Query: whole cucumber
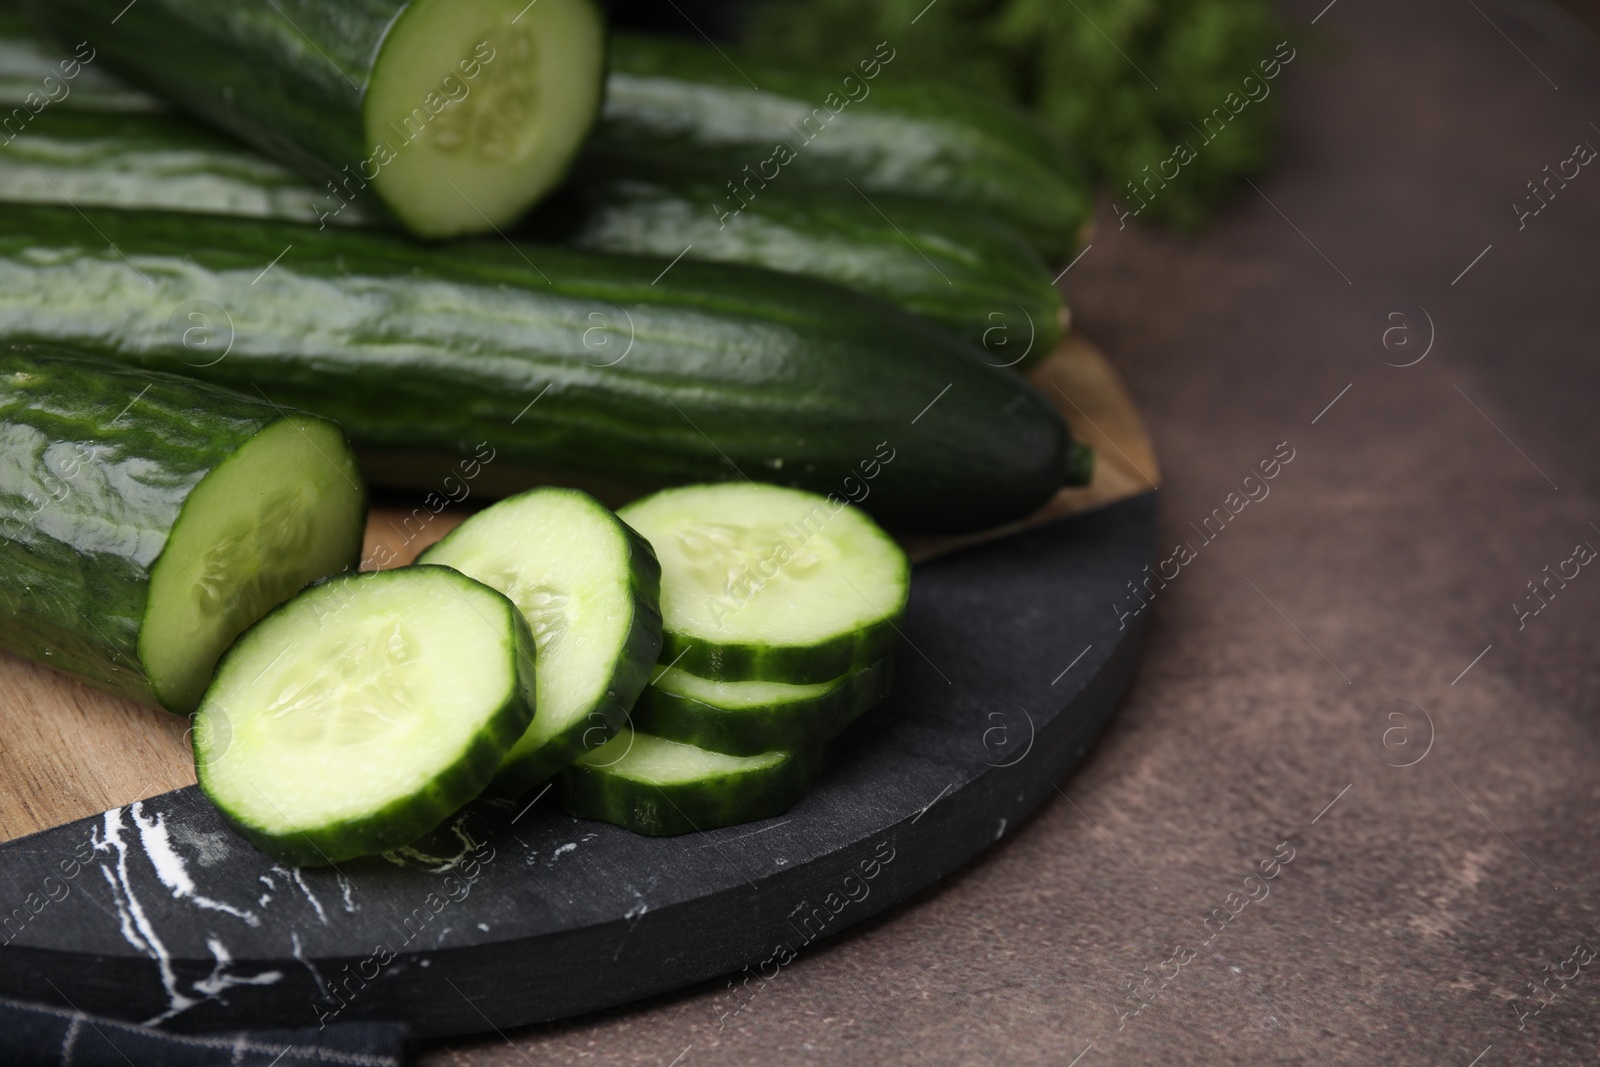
965 271
754 126
621 374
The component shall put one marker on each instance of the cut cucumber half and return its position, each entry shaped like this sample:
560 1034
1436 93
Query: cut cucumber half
590 588
361 714
147 519
455 114
283 510
749 718
657 787
761 583
471 150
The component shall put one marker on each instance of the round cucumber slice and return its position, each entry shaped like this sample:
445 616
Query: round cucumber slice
285 509
477 107
590 589
362 713
762 583
657 787
749 718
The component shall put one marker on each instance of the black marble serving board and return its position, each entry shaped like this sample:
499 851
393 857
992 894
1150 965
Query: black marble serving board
1015 656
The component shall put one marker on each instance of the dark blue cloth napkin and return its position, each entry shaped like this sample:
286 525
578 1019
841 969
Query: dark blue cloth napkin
34 1035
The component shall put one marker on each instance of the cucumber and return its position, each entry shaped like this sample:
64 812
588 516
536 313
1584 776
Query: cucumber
38 76
761 583
145 520
970 274
619 374
962 270
455 114
670 103
661 788
591 590
362 713
749 718
155 162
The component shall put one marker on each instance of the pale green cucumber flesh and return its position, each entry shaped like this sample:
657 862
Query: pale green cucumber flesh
762 583
275 515
589 588
739 696
362 713
747 718
658 787
477 107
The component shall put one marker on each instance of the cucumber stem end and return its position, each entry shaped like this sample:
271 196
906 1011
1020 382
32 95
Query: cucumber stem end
1079 467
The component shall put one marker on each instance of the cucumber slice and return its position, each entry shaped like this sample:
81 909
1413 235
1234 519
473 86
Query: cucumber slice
361 714
657 787
761 583
590 589
749 718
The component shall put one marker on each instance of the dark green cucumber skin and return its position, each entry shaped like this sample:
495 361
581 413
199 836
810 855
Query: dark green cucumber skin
12 24
794 665
689 807
752 731
75 575
155 162
967 272
641 649
422 353
26 60
407 819
670 101
287 76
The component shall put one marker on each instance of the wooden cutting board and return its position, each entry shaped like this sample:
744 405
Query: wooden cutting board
68 751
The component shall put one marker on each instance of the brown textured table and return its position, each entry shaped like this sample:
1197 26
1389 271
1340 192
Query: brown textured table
1421 901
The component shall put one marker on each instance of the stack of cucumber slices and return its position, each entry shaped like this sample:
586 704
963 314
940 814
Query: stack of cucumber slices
741 626
780 611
